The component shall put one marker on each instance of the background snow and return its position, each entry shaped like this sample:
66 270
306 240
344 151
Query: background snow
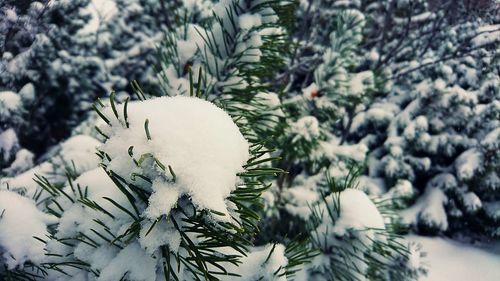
449 260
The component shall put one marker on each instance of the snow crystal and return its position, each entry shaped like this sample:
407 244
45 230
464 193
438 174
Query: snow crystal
198 140
19 222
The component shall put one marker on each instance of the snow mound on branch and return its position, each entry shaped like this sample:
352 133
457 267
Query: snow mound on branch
76 153
306 128
10 100
429 209
356 212
19 222
8 144
261 263
198 140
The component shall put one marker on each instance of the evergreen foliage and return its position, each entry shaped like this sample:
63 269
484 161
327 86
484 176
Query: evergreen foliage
262 139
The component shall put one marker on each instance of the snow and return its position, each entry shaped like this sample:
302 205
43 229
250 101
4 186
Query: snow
306 128
100 11
10 100
8 143
357 211
429 208
350 222
487 34
198 140
77 153
249 21
142 269
272 101
454 261
20 220
27 92
299 199
360 82
356 152
492 140
471 201
23 161
468 164
254 265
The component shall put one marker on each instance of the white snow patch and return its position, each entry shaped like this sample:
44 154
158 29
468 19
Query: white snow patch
306 128
142 269
20 221
100 11
468 164
10 100
429 208
487 34
8 143
254 265
451 260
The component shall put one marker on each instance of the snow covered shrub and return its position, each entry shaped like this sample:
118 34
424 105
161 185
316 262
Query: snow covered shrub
55 73
354 241
176 190
436 134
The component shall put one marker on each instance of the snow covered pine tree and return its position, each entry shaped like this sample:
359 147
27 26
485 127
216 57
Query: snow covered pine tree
181 197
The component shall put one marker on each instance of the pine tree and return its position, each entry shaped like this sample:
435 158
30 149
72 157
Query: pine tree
427 146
